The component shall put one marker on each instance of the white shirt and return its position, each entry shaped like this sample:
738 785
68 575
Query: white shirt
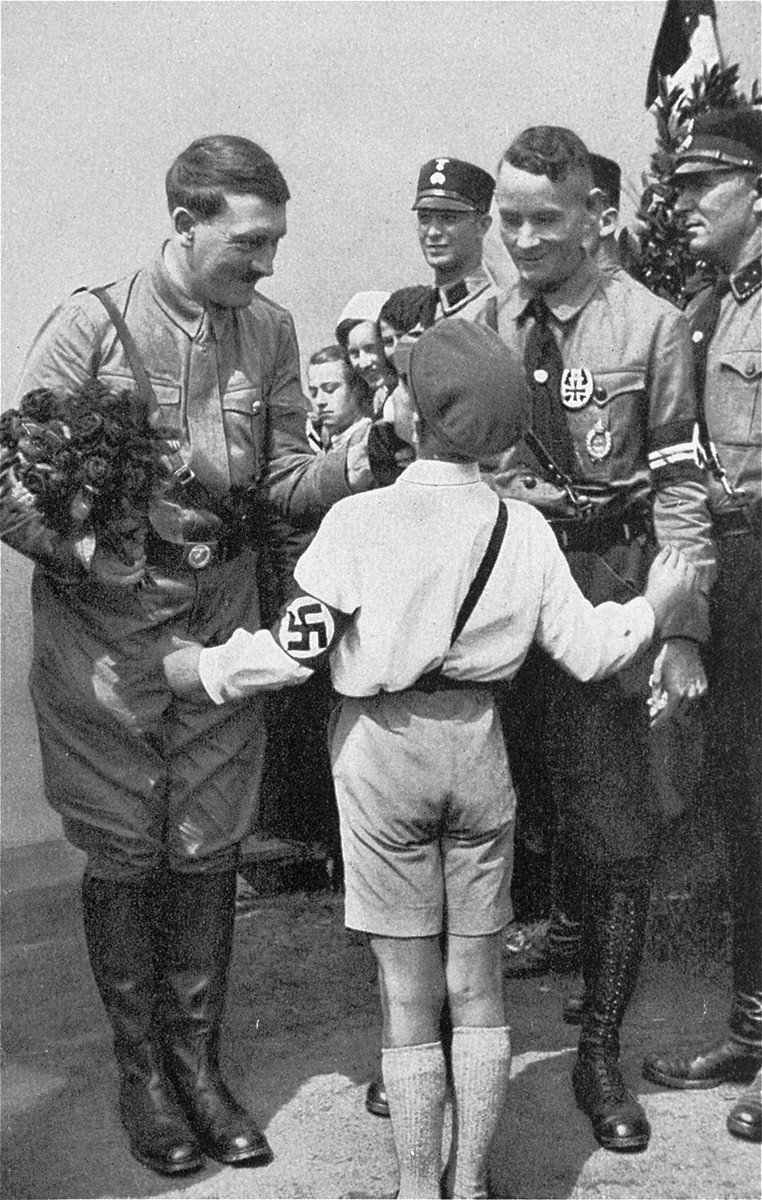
401 559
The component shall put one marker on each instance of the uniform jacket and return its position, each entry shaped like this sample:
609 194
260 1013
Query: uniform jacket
733 391
630 405
241 368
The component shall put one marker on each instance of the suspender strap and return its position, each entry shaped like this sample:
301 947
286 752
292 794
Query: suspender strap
479 581
145 389
194 491
435 680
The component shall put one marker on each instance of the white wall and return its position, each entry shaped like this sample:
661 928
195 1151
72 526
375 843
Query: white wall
350 98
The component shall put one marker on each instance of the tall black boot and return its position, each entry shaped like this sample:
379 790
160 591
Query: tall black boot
199 913
118 922
735 1060
616 910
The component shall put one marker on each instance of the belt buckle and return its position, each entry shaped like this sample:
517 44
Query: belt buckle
199 555
184 475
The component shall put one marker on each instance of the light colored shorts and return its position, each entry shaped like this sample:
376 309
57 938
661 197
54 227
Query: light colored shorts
427 811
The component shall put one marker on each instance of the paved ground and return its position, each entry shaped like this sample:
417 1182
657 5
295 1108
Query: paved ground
300 1043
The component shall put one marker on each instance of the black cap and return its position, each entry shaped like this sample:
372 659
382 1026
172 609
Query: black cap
607 175
723 139
468 386
450 183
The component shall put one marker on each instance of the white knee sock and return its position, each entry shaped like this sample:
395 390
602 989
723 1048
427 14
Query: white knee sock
415 1079
481 1064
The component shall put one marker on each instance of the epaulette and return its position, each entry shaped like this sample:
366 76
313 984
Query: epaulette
747 281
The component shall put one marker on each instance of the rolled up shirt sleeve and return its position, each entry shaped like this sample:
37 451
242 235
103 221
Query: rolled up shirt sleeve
590 642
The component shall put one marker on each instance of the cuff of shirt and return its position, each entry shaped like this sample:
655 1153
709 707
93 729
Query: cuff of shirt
246 664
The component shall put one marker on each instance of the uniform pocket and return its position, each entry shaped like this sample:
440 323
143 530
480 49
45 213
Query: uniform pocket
739 389
610 384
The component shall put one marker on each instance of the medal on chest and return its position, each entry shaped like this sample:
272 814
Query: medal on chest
576 387
598 441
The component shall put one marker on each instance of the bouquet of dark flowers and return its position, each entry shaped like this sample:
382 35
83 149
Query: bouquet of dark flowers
89 460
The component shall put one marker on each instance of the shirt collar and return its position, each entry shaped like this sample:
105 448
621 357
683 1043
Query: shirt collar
185 312
564 301
748 280
457 295
435 472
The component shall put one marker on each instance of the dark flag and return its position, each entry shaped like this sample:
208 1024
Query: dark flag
686 43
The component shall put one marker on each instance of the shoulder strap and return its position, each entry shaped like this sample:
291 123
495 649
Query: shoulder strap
490 313
433 680
479 581
145 388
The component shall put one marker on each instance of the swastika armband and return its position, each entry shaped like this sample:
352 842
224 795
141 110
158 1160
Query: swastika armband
308 629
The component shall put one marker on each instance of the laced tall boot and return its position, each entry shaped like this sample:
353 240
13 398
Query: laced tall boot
118 920
615 917
199 914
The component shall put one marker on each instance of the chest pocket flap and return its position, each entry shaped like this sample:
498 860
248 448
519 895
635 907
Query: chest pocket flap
242 396
745 363
618 383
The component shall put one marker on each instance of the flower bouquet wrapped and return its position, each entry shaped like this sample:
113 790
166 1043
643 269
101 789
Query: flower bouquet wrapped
87 462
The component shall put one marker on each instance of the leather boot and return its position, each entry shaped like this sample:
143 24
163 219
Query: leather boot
736 1060
745 1117
199 915
616 910
118 923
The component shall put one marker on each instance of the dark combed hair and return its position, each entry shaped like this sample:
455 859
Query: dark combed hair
358 388
211 166
549 150
405 307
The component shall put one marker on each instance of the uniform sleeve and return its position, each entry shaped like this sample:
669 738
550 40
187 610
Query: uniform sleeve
61 358
65 351
301 486
588 642
681 510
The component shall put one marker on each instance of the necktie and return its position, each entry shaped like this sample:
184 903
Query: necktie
543 366
208 445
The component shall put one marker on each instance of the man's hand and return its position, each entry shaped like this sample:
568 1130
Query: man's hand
678 678
671 581
181 671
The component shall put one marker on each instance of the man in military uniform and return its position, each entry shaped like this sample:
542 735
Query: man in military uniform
718 176
160 793
452 203
610 459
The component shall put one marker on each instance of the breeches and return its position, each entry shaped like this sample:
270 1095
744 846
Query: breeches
139 777
595 735
735 742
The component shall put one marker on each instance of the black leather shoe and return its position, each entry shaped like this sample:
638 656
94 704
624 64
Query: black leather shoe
376 1101
745 1117
618 1120
573 1010
727 1063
